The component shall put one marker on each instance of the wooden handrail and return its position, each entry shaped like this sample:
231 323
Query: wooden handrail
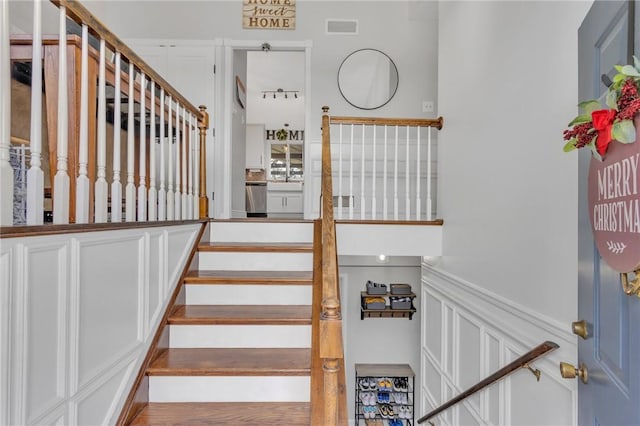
522 362
80 14
330 351
419 122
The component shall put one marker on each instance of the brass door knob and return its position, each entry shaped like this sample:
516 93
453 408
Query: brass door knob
568 371
580 328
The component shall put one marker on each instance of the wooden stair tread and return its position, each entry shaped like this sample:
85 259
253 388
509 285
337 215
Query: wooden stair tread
232 362
256 247
242 314
225 414
249 277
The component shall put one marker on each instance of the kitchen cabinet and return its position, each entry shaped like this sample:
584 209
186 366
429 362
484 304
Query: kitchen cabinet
284 199
255 146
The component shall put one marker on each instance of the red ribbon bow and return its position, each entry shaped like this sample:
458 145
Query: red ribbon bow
602 122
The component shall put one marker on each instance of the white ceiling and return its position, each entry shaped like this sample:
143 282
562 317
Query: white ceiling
271 71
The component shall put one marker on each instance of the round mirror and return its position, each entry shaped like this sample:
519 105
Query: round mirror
368 79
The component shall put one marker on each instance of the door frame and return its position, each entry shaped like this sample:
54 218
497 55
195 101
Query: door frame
224 86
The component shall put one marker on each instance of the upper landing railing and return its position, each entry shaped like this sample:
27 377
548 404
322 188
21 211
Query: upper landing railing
384 168
121 143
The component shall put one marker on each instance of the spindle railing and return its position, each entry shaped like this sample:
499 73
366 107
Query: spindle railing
88 90
386 168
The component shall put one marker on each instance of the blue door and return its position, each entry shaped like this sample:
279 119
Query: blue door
610 353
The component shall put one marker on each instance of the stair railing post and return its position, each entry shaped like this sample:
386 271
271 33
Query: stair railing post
203 125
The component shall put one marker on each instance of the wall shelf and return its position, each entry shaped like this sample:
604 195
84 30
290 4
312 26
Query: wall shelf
388 311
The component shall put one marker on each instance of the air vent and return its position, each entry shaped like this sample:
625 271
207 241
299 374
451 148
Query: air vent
341 26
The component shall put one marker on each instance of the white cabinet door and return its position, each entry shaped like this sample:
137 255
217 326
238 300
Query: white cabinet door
284 202
255 146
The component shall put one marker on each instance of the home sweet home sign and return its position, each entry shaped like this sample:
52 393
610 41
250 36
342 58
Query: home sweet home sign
614 205
269 14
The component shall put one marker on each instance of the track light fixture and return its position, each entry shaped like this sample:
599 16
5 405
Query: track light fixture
280 92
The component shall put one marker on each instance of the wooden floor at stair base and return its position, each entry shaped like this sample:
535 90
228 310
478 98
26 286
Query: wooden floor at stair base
225 414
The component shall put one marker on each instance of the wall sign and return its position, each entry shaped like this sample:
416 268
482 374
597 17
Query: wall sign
269 14
284 135
614 205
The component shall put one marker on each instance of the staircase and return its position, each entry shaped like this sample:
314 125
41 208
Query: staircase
239 347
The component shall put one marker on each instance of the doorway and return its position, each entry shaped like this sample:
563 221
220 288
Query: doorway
263 118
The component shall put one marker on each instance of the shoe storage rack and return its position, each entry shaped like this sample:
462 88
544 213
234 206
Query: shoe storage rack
377 302
384 395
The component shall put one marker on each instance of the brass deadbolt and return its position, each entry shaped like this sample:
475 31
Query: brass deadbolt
580 328
568 371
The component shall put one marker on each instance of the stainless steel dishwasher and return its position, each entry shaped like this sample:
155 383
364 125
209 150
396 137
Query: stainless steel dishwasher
256 193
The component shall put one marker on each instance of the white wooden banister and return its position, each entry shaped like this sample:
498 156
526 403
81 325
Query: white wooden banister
116 184
142 152
82 181
61 179
6 172
170 148
153 192
101 185
130 189
35 175
403 191
80 108
162 191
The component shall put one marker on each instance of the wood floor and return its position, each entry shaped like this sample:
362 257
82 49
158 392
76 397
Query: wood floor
225 414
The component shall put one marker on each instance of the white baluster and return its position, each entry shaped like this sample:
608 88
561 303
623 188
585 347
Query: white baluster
130 189
340 171
418 199
178 196
351 176
385 199
395 178
116 184
6 172
101 186
162 191
61 179
363 175
82 181
191 171
407 195
153 192
429 201
170 194
142 165
184 164
183 168
35 175
177 200
373 175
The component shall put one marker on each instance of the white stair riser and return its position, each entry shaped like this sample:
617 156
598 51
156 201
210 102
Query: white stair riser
240 336
229 389
261 232
229 294
251 261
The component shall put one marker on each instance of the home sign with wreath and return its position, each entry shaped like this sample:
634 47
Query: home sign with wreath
614 172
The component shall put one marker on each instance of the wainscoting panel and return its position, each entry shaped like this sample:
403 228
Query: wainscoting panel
77 314
44 297
480 333
5 310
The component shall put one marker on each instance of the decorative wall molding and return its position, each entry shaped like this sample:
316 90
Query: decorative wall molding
469 333
77 315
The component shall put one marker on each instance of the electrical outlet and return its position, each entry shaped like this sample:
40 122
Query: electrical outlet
427 106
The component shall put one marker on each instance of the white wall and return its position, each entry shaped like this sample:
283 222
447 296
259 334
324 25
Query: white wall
79 312
508 194
507 279
378 340
238 143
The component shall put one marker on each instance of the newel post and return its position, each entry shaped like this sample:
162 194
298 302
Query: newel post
203 125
